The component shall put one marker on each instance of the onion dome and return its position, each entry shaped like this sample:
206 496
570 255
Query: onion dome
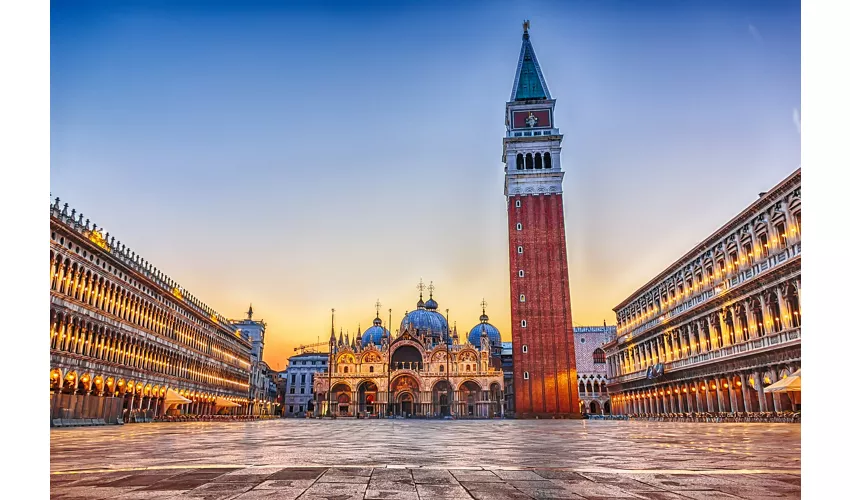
431 305
485 327
375 333
492 334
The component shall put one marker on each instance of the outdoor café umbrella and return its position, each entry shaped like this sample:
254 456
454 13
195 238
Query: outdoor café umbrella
223 403
172 397
791 383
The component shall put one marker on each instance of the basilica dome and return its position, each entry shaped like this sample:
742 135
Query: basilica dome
492 334
428 321
375 333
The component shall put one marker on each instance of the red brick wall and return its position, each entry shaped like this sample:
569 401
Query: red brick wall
550 361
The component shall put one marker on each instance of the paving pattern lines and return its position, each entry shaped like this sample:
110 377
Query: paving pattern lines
492 443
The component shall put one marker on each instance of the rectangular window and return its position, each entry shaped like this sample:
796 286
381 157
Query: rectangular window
518 226
518 204
525 375
292 390
290 409
303 378
521 273
523 323
300 408
302 390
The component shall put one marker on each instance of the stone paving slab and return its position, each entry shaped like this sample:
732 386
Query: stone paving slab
348 483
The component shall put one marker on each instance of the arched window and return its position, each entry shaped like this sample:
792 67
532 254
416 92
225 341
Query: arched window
371 369
538 161
794 307
345 370
780 229
757 314
581 386
529 161
547 160
773 309
442 368
598 356
519 162
748 252
763 242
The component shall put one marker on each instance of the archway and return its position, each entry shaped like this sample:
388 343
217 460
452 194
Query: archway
594 407
607 407
367 395
442 398
495 400
406 356
55 380
470 394
406 404
341 398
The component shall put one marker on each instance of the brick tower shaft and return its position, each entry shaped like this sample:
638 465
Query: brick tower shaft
544 355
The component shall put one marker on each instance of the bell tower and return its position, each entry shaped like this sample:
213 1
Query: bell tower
545 383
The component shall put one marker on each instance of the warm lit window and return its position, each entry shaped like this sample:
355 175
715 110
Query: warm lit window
522 298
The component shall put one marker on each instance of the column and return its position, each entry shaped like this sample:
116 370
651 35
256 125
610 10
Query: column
745 392
722 407
710 403
784 310
731 393
760 389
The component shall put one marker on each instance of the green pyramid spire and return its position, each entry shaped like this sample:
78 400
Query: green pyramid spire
529 82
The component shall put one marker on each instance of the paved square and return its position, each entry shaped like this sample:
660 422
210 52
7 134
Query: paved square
413 459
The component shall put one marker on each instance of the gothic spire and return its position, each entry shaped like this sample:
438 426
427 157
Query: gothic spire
529 83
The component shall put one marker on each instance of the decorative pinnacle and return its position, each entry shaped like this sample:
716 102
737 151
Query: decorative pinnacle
431 290
483 306
378 308
420 287
525 25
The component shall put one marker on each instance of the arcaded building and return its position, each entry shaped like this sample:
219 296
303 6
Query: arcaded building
128 343
721 323
422 371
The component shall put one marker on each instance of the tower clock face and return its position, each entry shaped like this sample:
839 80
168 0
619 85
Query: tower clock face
534 118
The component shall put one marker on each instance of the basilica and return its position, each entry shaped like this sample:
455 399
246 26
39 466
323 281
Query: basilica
423 370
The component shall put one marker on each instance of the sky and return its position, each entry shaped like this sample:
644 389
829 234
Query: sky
303 157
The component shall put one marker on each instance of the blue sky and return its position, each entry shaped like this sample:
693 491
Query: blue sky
318 155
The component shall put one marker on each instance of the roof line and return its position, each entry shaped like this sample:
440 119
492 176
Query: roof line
703 245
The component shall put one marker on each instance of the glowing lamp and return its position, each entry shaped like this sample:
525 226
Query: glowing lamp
725 385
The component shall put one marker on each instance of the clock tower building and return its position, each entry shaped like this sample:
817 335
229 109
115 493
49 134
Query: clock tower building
545 382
